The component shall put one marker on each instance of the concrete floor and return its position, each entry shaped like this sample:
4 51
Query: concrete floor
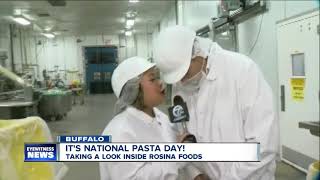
92 117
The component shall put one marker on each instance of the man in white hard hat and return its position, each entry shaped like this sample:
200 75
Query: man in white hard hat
227 97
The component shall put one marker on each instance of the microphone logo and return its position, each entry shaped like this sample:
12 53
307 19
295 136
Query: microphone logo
177 111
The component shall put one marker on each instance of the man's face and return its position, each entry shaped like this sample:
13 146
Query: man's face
194 68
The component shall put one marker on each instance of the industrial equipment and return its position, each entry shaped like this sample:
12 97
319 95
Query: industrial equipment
25 100
230 14
53 78
76 86
223 29
17 103
56 98
55 104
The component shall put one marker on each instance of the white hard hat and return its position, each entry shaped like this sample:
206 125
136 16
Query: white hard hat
173 52
127 70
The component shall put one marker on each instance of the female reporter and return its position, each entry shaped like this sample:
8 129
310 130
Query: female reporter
135 83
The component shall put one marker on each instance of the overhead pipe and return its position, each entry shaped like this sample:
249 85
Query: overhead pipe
11 48
24 48
21 50
18 80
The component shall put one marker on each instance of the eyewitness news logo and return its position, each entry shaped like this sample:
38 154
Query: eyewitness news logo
40 152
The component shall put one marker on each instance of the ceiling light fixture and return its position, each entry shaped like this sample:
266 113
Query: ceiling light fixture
128 27
130 22
48 35
133 1
56 33
131 14
21 20
128 33
224 33
47 28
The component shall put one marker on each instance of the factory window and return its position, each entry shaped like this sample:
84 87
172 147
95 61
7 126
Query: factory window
298 64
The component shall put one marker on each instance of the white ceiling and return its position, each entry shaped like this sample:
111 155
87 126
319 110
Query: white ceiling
89 17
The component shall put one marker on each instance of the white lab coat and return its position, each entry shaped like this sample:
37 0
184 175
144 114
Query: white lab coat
234 104
133 125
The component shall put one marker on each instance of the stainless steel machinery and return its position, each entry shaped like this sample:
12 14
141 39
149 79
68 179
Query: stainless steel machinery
55 104
18 103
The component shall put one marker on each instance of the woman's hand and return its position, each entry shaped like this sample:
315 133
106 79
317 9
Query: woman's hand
186 138
202 177
182 137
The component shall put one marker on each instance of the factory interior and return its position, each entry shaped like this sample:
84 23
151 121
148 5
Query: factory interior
57 58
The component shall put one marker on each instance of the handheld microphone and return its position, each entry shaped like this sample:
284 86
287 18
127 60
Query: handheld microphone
178 113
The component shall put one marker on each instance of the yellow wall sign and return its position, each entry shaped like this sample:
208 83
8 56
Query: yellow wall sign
297 88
